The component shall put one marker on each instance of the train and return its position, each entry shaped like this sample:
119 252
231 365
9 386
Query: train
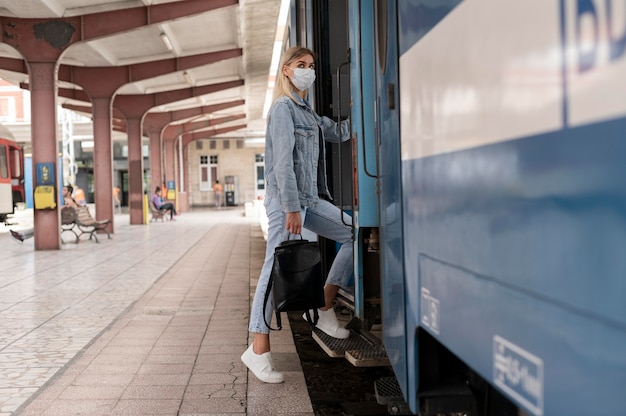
11 174
485 178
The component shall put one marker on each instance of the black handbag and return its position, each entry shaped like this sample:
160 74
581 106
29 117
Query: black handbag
296 281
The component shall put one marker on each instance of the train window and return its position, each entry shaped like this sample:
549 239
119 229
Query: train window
16 163
381 33
4 167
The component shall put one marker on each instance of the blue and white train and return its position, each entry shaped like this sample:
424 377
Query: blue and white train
487 182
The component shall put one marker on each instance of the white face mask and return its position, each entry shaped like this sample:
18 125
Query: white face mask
303 78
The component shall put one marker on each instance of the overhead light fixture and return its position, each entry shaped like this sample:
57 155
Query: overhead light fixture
167 42
188 78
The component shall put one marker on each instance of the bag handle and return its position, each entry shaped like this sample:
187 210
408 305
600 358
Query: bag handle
265 299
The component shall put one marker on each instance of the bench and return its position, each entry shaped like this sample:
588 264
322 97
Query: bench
68 221
157 214
88 225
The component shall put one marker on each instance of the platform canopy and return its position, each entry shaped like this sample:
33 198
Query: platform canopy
250 25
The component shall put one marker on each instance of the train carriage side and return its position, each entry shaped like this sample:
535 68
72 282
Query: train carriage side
512 203
387 145
11 173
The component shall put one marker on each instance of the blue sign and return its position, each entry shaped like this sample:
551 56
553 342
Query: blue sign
45 174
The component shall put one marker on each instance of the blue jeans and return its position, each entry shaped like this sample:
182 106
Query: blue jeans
323 219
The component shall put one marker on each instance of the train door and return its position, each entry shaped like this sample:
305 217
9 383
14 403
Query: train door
390 197
366 214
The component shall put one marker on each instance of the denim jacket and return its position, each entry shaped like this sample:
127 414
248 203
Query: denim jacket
295 171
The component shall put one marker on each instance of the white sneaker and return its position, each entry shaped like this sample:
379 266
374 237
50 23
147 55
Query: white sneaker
261 366
329 324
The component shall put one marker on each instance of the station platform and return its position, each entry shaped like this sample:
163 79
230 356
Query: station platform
150 322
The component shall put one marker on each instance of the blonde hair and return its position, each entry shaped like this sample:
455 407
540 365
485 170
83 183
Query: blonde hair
283 83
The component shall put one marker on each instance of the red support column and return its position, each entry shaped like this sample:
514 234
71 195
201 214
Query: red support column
171 136
135 170
156 161
153 124
44 144
170 155
184 200
103 158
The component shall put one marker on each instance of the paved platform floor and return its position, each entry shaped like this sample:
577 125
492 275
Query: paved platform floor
151 322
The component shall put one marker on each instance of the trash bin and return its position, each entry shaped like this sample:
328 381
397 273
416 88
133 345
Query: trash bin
230 198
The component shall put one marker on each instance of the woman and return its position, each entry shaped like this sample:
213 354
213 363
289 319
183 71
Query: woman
297 196
162 205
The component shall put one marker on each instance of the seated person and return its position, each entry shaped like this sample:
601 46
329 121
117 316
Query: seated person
67 197
162 205
28 233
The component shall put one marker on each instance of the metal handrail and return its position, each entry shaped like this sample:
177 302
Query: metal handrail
340 144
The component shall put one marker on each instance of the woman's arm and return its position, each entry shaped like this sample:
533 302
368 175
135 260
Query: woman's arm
293 222
282 135
331 132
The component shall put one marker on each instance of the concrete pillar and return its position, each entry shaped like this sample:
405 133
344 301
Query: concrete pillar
47 223
156 160
103 159
170 159
183 203
135 171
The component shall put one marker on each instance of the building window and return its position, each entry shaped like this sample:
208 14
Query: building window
259 174
208 172
7 109
226 144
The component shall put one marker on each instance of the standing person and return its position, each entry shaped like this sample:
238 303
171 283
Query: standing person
79 196
116 199
218 189
160 204
297 196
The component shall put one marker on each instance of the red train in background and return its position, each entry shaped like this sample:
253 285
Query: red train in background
11 174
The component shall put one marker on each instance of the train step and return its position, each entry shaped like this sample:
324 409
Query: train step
446 400
388 393
357 349
454 399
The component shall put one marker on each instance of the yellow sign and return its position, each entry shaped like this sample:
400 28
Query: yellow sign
44 197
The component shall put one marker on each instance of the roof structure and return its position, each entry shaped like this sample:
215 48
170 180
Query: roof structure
241 33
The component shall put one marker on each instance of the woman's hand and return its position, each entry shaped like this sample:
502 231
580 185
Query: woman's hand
294 222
